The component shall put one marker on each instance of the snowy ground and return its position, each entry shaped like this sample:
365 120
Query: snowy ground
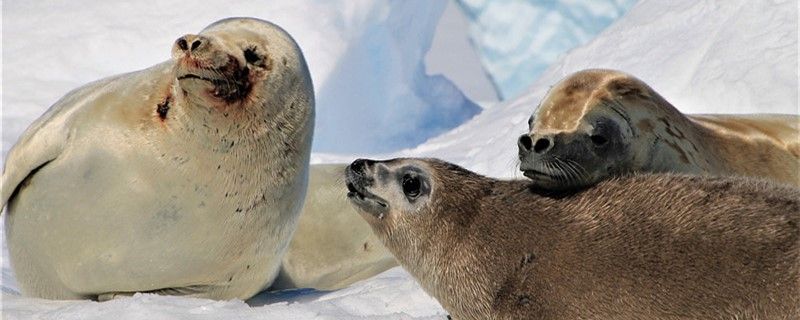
735 56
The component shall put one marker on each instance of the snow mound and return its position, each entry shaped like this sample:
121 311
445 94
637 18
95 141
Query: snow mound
519 39
735 56
366 60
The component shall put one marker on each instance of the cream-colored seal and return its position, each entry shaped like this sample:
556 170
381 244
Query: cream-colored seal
600 123
638 247
333 247
185 178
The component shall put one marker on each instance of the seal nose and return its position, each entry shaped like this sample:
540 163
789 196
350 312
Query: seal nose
542 144
524 143
191 43
360 165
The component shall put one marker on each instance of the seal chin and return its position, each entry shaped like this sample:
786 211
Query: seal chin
554 180
228 82
366 201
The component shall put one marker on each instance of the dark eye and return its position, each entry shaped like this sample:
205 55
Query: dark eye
251 56
411 186
598 140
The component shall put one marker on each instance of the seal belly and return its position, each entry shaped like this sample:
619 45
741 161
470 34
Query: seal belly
75 219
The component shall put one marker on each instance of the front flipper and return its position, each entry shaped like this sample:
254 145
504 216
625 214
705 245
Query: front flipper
188 291
35 149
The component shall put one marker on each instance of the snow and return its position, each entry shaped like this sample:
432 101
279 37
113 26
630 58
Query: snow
366 60
735 56
519 39
704 57
453 56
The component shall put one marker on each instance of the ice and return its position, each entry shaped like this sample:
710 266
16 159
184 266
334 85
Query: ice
735 56
519 39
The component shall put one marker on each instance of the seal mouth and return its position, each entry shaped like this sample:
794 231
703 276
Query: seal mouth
536 174
230 82
362 198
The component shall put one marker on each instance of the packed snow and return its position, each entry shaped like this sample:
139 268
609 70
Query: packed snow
736 56
519 39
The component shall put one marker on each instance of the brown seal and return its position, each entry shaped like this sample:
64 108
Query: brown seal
636 247
600 123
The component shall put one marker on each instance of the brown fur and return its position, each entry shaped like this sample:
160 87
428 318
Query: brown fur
658 137
639 247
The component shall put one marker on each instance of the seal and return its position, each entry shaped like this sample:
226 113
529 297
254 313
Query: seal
689 247
185 178
332 247
599 123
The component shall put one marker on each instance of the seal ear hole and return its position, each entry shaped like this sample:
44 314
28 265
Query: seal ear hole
598 140
411 186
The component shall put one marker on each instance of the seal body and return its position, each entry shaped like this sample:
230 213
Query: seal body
600 123
681 247
185 178
333 247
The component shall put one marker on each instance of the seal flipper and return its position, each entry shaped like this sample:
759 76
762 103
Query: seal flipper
179 291
45 139
35 150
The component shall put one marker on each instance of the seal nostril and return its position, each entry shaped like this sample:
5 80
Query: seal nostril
196 44
525 142
541 145
182 44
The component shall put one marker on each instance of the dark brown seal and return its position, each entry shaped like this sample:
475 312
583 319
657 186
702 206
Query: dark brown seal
638 247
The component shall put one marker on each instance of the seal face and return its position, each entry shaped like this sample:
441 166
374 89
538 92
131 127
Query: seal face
697 247
185 178
596 123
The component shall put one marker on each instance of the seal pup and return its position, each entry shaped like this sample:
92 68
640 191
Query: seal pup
332 247
599 123
636 247
185 178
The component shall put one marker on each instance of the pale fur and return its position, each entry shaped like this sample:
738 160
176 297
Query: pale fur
333 247
108 197
664 140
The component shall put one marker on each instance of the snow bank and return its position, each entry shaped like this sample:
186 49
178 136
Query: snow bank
379 97
519 39
366 60
734 56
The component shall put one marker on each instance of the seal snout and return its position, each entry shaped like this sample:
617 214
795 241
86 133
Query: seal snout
358 176
527 144
358 179
191 43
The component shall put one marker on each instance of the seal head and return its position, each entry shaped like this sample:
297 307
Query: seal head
580 133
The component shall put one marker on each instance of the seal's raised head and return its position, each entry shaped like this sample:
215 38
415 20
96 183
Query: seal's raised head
581 133
401 195
240 63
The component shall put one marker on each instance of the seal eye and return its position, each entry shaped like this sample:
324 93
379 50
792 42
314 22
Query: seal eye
598 140
411 186
251 56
